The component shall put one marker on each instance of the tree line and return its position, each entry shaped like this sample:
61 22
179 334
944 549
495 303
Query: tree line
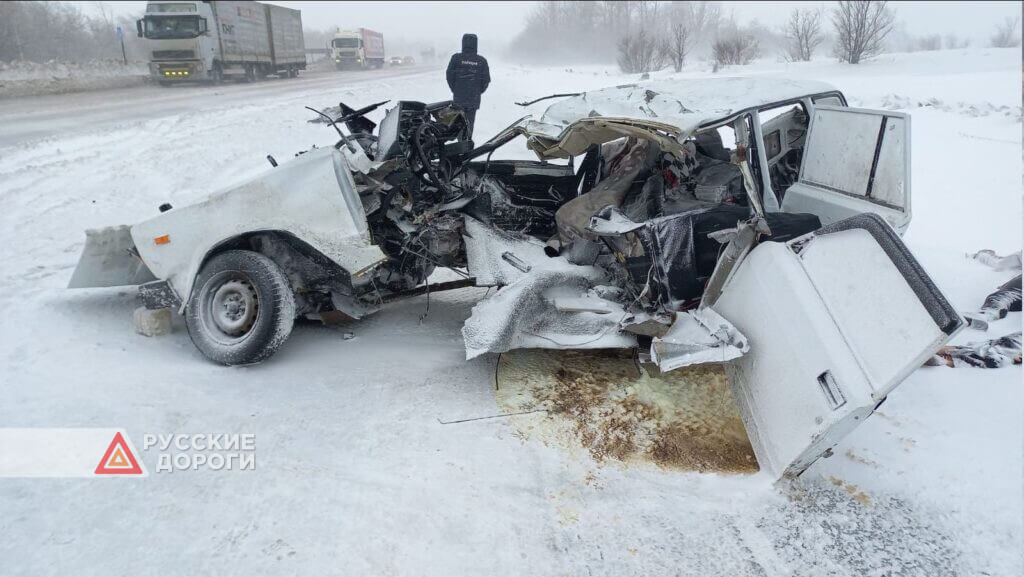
648 35
42 31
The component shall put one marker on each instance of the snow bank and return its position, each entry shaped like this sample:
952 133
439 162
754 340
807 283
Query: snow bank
22 78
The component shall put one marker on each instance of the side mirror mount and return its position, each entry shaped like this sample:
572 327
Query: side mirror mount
138 27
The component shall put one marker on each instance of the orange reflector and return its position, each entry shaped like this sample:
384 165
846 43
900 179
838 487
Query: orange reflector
165 239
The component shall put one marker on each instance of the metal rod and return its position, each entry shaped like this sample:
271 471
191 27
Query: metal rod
492 417
437 287
547 97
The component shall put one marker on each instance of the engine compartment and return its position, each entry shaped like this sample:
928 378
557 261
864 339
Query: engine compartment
651 222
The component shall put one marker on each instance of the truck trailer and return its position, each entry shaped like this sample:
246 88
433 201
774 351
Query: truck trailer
359 48
222 39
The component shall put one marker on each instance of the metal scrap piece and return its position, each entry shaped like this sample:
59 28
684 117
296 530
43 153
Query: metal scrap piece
515 261
698 336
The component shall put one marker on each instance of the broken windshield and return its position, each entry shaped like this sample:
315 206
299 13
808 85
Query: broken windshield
172 26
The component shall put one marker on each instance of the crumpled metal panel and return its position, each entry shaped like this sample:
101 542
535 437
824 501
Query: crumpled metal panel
573 218
523 315
485 247
312 197
698 336
108 259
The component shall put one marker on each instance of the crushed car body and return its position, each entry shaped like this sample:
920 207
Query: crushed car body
749 222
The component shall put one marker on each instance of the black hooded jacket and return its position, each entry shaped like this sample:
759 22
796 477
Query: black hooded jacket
468 74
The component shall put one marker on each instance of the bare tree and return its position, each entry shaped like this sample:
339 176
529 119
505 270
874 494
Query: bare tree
105 14
736 46
677 44
28 30
861 27
702 16
573 31
641 49
1006 34
640 52
687 22
803 34
12 47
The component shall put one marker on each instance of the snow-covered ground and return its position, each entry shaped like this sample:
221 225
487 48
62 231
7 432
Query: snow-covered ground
34 78
355 475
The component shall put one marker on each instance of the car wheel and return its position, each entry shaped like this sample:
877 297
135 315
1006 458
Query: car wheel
241 309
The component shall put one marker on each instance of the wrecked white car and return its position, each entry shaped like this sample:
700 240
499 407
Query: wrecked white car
751 222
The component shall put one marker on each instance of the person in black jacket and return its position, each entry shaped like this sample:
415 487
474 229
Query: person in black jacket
468 77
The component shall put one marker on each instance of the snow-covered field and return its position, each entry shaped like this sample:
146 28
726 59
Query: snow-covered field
356 476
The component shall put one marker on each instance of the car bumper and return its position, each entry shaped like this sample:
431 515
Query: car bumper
178 70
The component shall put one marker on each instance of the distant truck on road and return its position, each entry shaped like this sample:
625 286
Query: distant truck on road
216 40
359 48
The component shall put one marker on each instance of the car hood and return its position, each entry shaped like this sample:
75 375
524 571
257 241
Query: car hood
671 110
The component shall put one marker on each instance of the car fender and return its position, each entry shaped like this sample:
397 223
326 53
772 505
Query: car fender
312 198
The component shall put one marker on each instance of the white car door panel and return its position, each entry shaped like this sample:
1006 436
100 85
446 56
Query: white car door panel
854 161
835 321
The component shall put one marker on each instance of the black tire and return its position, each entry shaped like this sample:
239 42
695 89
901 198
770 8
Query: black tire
241 309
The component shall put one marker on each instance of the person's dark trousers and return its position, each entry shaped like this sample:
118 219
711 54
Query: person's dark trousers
470 114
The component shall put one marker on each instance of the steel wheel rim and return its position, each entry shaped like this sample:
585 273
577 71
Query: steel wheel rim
229 307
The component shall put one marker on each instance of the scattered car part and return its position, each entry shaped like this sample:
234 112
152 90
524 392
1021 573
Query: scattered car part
990 354
515 261
835 320
697 336
110 258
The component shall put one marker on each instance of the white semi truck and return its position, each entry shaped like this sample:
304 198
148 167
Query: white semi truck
222 39
360 48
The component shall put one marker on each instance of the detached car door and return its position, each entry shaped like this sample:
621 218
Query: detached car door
855 160
835 320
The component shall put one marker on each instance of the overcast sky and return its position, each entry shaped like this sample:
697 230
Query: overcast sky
497 22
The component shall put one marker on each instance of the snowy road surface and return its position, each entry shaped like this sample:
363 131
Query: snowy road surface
354 473
44 116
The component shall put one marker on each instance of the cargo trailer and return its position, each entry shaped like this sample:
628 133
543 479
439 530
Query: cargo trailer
190 41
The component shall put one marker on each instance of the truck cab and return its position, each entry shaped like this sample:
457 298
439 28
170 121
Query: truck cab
182 40
347 49
359 48
222 39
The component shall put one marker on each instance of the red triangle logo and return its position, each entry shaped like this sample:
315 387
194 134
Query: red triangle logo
118 460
